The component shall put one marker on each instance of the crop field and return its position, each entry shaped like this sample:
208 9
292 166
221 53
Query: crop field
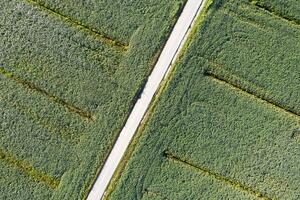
287 9
70 72
227 122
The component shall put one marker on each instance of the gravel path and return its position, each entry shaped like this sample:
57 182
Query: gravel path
171 50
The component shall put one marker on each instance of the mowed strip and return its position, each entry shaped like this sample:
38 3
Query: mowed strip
227 124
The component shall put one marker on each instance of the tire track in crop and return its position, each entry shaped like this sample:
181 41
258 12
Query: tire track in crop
252 19
208 172
109 62
275 13
72 108
77 24
153 193
246 20
29 170
221 76
39 121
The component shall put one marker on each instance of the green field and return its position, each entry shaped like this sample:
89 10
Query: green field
227 124
287 9
70 72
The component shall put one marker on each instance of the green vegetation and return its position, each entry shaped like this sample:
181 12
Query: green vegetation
117 19
70 72
288 9
227 124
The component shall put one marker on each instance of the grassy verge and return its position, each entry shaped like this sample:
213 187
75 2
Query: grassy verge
151 110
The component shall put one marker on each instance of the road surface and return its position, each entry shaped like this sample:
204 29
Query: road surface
171 50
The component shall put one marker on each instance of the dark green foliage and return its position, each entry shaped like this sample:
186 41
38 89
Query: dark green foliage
227 124
118 19
69 75
19 184
288 9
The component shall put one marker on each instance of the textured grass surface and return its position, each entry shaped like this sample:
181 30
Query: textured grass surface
70 71
117 19
227 125
288 9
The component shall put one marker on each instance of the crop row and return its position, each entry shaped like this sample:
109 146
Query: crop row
78 24
215 175
29 170
50 96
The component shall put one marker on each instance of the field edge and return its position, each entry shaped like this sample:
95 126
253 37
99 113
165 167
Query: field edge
151 110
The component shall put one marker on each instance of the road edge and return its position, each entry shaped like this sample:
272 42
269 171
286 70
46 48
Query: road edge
196 22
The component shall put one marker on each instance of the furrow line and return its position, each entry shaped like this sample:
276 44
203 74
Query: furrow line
39 121
31 86
29 170
276 14
154 193
248 90
246 20
107 39
206 171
